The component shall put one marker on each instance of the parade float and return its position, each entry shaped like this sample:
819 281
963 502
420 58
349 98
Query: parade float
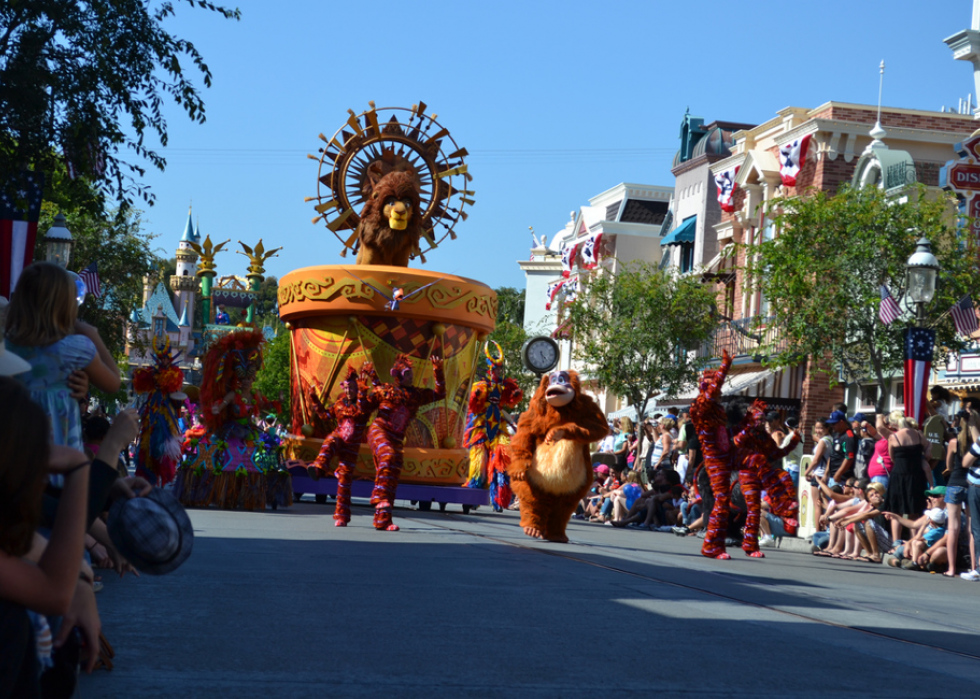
391 186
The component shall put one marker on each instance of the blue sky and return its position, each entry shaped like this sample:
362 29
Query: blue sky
555 101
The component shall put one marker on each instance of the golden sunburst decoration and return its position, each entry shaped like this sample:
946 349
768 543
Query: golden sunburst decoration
378 141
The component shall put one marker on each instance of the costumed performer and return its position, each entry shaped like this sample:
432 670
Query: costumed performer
160 438
755 451
711 422
397 405
352 412
551 468
243 475
486 436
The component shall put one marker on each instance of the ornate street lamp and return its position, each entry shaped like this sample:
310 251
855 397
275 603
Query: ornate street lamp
922 270
58 242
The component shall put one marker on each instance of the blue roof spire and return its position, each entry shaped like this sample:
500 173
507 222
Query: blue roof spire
183 318
189 236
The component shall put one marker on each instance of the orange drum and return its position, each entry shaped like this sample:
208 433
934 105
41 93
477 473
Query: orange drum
337 316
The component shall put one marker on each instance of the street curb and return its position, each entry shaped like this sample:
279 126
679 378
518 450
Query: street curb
792 543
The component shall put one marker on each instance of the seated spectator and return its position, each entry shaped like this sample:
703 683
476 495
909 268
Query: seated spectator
589 507
623 498
872 536
927 544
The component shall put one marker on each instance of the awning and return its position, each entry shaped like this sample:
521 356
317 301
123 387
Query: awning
684 233
733 384
961 384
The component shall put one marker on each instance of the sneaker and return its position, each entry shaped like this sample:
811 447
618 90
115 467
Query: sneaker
909 564
971 575
767 541
680 531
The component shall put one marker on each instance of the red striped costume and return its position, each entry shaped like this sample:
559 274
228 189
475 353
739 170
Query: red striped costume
712 425
397 405
351 412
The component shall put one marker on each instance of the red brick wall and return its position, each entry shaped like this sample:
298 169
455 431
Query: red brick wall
818 400
936 121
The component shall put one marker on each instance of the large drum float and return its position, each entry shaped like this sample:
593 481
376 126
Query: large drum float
341 315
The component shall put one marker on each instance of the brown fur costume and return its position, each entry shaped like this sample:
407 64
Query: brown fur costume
551 479
379 244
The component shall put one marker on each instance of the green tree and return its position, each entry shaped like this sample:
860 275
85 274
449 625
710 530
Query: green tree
822 273
273 381
90 78
510 305
635 331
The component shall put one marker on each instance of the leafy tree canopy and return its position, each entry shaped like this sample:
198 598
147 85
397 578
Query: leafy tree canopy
272 381
634 331
88 79
822 272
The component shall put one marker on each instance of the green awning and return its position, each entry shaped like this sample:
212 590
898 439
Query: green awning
684 233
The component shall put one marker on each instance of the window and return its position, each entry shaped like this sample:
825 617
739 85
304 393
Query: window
869 396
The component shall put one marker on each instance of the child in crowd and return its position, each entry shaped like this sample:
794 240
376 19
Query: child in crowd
43 328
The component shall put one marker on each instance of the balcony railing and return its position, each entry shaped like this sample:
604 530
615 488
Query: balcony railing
754 337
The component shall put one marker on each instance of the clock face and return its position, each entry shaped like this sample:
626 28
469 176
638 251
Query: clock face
541 354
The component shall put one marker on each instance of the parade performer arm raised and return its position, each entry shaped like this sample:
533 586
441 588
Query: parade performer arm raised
550 465
397 405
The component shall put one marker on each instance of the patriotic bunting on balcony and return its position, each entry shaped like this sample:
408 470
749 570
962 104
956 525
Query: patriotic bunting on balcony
725 181
570 291
792 156
590 251
569 250
553 290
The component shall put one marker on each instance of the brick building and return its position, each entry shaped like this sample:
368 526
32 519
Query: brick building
913 147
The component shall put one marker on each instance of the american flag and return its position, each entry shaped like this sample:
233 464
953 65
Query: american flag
20 206
918 365
964 316
90 275
888 310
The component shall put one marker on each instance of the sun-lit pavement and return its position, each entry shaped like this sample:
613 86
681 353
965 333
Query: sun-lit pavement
283 604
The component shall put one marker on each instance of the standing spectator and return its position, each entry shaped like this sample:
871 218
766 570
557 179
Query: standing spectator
866 435
606 445
695 458
972 465
621 443
43 328
842 453
957 487
817 470
791 462
665 444
910 471
880 466
939 401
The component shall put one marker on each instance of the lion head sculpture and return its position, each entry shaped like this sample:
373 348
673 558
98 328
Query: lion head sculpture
391 222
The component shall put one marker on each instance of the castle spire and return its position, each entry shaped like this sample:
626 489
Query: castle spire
189 236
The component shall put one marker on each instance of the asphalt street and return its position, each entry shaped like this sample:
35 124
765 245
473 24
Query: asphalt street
284 604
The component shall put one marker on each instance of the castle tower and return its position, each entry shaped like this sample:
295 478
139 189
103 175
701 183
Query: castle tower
185 283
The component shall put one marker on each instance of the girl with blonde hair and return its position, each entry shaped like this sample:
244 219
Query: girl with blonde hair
42 327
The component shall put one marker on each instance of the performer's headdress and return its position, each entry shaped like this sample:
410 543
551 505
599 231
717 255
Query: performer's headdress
164 376
495 365
230 361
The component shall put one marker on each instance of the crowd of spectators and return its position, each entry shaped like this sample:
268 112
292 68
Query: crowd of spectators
68 506
878 489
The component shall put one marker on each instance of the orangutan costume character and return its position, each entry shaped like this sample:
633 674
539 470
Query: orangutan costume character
352 412
390 227
551 468
397 405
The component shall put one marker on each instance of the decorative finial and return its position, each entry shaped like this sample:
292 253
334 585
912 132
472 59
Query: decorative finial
878 133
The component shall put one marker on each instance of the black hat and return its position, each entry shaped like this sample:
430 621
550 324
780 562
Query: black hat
154 532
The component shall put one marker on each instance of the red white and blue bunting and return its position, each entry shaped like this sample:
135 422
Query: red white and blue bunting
590 251
569 251
792 156
553 290
725 181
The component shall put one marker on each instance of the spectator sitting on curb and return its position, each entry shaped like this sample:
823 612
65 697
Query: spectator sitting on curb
878 540
929 533
589 506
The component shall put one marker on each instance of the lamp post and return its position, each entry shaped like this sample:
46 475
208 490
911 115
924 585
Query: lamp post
922 268
58 242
